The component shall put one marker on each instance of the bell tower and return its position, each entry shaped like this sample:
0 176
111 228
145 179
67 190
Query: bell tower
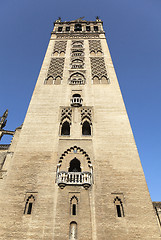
75 172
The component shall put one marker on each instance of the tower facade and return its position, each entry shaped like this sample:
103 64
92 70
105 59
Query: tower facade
73 170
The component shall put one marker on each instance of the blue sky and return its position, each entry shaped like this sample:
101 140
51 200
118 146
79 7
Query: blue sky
133 31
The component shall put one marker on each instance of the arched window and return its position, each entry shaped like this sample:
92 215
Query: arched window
78 27
86 128
77 79
119 207
29 204
75 165
74 203
73 231
65 130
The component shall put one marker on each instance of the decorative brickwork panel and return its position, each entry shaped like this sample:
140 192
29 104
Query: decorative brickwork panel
60 46
86 114
98 68
56 68
95 45
66 115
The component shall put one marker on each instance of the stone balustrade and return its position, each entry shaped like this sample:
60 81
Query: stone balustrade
77 82
74 178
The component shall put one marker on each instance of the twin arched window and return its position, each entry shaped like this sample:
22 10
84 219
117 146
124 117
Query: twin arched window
86 129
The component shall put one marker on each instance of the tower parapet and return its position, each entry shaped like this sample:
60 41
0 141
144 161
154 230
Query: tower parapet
78 26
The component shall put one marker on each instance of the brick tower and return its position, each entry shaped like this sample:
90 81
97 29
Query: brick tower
73 170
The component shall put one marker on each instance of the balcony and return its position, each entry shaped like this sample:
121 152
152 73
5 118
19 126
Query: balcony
77 66
74 178
77 82
76 101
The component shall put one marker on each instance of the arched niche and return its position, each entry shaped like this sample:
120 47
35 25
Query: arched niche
104 80
62 54
73 231
77 78
77 44
93 53
55 53
65 128
49 80
86 128
72 154
75 165
96 80
77 63
57 80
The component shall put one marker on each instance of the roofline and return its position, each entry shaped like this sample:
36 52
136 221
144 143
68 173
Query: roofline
76 21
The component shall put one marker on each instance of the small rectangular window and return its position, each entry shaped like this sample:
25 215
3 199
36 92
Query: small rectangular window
74 209
118 210
95 28
67 29
29 208
88 28
60 29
